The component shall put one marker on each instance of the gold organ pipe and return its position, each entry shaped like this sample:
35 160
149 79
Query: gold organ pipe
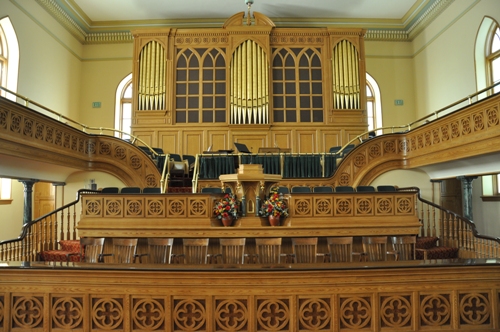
152 68
346 86
239 82
140 83
249 84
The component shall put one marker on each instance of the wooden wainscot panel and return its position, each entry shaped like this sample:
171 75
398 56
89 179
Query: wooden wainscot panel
218 140
169 140
254 138
192 142
329 139
147 136
281 138
306 141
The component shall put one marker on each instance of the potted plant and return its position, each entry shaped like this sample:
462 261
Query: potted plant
275 207
226 209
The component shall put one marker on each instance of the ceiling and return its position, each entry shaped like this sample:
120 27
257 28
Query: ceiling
128 10
114 15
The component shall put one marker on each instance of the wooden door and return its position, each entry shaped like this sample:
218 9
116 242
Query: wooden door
44 199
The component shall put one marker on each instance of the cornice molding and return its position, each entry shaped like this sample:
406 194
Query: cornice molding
87 36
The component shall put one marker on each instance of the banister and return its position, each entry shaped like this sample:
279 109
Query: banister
8 246
463 235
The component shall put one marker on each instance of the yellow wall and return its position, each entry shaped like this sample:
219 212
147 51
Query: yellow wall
391 65
50 57
444 54
104 66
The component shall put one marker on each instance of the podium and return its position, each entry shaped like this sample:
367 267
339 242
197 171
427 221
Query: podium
250 184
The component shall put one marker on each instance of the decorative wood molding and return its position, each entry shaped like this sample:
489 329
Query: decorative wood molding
30 135
334 297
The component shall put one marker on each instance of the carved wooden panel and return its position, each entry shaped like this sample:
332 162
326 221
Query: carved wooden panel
331 300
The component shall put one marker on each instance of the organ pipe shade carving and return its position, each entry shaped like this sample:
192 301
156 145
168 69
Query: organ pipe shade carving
249 85
151 85
345 64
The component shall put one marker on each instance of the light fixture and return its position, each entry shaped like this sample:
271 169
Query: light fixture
249 3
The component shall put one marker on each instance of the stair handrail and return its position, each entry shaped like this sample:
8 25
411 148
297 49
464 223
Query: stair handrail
21 249
454 230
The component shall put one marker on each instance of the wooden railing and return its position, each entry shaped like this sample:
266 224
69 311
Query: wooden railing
43 233
61 224
454 230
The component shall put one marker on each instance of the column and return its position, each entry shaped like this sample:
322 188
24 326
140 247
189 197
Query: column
28 199
467 195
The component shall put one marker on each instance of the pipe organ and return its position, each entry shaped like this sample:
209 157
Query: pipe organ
249 85
295 88
346 87
151 85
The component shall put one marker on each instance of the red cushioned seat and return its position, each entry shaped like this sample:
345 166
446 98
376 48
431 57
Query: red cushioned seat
67 247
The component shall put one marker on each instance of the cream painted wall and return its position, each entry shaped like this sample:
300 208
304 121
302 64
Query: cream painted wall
390 64
50 57
444 54
11 215
407 178
485 214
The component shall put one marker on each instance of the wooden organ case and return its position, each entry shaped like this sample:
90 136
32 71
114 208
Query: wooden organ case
250 82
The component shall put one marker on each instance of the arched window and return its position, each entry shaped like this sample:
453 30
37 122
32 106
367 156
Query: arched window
9 58
9 64
487 61
493 56
373 104
123 108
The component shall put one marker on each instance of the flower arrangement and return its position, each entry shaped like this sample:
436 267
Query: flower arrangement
227 206
275 205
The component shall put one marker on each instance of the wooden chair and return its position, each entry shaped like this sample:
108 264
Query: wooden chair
232 251
340 249
305 250
91 249
125 251
160 250
374 248
195 251
404 247
268 250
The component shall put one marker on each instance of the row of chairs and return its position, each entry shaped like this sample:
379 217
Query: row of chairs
268 250
130 190
338 189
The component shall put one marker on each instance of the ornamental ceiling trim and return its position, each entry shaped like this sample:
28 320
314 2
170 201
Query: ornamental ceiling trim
88 34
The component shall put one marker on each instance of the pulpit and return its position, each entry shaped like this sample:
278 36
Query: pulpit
250 184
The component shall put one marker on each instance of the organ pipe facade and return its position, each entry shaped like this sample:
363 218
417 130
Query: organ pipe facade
296 88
